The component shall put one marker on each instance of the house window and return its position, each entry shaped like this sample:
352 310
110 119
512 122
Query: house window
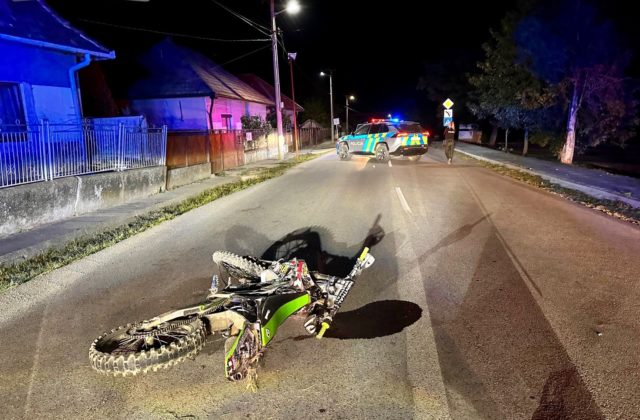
11 107
226 122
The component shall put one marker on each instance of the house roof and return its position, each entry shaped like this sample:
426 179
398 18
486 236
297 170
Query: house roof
175 71
268 90
310 124
33 22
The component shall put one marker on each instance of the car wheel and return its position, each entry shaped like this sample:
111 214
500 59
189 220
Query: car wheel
343 152
414 158
382 152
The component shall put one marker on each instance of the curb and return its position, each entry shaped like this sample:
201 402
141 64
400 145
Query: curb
592 191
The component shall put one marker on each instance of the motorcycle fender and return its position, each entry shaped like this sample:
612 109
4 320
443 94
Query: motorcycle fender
276 309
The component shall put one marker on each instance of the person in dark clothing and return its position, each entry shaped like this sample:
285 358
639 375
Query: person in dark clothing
449 141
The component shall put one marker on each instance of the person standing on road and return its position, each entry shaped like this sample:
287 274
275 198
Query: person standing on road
449 141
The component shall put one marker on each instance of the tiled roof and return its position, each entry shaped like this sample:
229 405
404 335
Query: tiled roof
33 22
267 90
176 71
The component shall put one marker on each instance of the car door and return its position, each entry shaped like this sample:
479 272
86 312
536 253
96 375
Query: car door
357 139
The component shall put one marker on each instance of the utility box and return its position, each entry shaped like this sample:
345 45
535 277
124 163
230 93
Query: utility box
470 133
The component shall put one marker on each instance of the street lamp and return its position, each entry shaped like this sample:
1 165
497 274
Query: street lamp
346 122
330 74
292 7
292 57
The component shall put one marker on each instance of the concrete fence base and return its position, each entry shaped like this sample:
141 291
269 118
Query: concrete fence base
26 206
182 176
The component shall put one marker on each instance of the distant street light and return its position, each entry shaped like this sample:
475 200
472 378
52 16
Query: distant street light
330 74
292 7
346 122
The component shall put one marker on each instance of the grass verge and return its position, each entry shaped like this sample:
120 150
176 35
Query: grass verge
12 275
617 209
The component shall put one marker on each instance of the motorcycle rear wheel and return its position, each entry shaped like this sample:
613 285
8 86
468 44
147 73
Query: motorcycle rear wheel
129 350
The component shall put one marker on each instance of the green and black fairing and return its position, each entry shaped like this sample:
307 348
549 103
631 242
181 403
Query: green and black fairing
276 309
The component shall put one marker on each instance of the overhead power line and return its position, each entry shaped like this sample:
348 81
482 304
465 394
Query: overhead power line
263 29
176 34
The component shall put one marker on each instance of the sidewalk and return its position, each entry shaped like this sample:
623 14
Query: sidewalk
593 182
16 247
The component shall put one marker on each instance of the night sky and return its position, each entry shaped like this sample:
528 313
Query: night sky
377 53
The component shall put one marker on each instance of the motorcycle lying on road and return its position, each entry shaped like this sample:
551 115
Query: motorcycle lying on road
247 312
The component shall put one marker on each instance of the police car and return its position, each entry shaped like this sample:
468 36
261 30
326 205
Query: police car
385 138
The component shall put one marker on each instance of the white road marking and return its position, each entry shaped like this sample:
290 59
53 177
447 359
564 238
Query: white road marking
390 165
403 201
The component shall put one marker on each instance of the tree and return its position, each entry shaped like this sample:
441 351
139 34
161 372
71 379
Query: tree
566 45
504 91
447 79
315 109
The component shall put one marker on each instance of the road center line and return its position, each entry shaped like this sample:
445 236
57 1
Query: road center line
403 201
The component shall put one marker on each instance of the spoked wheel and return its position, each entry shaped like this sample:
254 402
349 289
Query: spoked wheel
238 267
382 152
343 152
133 349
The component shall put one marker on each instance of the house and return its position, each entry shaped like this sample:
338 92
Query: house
310 124
268 90
185 90
40 57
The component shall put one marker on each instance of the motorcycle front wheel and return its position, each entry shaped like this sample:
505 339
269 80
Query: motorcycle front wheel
238 267
132 349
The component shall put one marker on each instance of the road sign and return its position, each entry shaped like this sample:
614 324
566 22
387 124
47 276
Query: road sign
446 121
448 103
448 113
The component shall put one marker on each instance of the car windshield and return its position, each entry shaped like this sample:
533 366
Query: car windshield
409 128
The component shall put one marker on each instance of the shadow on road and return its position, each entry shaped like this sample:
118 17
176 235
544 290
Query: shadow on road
306 244
499 356
455 236
373 320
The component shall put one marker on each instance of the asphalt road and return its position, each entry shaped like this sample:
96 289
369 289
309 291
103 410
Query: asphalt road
488 299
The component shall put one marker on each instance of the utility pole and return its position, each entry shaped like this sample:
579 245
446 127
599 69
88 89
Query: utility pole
347 98
292 57
330 74
333 136
276 77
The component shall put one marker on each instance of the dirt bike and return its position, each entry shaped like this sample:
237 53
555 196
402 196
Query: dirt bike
248 313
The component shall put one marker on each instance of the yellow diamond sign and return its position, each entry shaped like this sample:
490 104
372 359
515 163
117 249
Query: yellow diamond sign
448 103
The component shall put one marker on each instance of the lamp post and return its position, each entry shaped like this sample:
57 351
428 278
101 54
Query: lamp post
330 74
293 7
346 122
292 57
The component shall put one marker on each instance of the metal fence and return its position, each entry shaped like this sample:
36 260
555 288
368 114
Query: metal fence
30 153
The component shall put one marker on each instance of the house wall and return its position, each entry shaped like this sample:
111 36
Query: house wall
175 113
44 78
236 108
192 113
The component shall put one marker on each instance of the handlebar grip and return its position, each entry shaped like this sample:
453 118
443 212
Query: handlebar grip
365 251
324 328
